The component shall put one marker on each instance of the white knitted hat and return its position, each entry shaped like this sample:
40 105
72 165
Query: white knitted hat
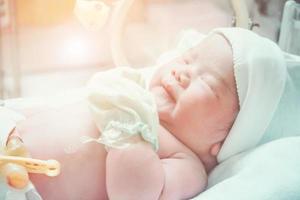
260 73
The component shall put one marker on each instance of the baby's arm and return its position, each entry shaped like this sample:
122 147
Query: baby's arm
185 175
139 173
134 173
124 111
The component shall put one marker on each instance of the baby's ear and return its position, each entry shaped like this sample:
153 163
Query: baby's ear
215 148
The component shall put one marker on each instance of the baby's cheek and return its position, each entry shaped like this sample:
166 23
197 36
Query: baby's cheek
193 102
193 115
184 113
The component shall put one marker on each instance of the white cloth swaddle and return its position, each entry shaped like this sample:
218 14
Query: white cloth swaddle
123 110
268 85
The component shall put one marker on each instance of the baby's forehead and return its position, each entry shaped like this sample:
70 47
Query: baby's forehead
213 48
212 52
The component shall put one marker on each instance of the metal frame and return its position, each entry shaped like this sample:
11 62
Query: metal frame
1 63
119 17
10 75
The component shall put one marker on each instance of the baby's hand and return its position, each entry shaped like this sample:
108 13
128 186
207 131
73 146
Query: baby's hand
123 109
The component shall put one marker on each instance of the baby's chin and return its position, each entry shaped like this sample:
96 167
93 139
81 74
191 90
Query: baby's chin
165 104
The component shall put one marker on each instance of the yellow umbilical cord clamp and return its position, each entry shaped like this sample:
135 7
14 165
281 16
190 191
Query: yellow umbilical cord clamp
47 167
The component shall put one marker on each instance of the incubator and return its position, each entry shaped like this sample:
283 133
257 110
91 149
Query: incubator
94 14
290 28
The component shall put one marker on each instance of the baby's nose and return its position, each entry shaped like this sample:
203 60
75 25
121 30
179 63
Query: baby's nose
182 77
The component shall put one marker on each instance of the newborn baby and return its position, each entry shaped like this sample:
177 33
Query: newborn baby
197 103
197 85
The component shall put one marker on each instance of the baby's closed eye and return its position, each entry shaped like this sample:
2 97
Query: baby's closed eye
212 82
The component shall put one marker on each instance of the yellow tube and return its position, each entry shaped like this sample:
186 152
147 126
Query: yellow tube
47 167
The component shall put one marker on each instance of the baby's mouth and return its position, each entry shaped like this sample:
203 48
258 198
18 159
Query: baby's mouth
171 86
165 104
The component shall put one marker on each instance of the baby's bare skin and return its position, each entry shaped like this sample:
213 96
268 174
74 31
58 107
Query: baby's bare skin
48 134
83 176
83 172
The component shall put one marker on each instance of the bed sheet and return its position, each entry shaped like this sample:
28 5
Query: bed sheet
268 172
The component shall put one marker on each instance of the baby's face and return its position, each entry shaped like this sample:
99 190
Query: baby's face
196 96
